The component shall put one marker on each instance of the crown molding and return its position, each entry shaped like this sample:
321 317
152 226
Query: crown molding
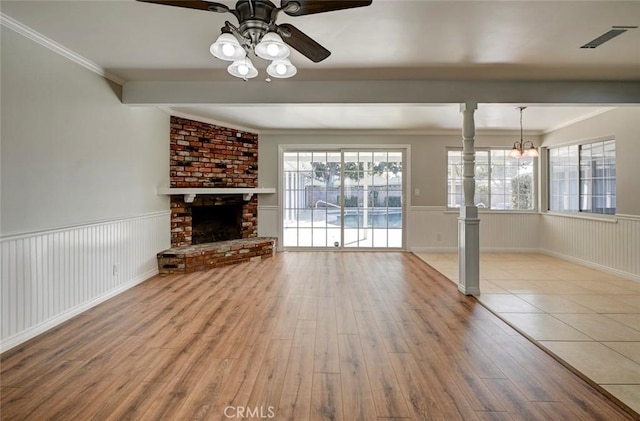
37 37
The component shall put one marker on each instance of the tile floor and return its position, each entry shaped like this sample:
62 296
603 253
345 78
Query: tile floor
588 318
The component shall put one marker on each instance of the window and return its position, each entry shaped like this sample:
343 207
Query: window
582 178
502 182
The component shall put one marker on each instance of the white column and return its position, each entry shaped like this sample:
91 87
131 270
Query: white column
468 222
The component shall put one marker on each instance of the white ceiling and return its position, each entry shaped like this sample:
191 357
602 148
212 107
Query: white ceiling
389 40
418 118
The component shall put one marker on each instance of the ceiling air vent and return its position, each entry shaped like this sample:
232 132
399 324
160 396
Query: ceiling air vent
612 33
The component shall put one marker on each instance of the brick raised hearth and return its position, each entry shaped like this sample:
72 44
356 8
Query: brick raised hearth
213 255
208 156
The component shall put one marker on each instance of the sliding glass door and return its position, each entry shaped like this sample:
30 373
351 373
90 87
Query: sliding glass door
343 199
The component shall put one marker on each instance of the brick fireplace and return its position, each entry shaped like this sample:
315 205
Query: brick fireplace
182 229
208 156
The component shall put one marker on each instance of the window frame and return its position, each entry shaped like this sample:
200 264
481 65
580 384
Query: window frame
579 195
506 149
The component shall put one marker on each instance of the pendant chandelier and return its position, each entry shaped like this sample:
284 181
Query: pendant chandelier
522 148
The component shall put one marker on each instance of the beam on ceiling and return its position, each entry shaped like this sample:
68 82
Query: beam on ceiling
381 92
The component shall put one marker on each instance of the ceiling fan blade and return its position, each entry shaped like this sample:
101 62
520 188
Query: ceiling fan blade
191 4
298 40
308 7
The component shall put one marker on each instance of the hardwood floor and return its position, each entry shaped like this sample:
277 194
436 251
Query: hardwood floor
302 336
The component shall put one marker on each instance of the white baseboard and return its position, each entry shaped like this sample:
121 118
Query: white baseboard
50 276
36 330
571 259
433 249
508 250
592 265
482 250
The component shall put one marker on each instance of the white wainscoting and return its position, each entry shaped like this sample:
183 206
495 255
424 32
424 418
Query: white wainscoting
609 245
433 229
50 276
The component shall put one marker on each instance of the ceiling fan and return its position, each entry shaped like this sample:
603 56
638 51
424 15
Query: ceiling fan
258 32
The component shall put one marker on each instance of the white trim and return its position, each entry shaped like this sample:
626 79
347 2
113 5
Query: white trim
37 37
33 331
586 263
428 208
170 111
468 290
612 219
490 250
404 148
281 151
71 270
433 250
190 193
212 190
486 211
18 236
592 265
406 196
628 216
578 142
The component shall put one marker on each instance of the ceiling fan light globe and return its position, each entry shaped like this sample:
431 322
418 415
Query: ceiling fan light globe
271 47
243 68
281 69
227 48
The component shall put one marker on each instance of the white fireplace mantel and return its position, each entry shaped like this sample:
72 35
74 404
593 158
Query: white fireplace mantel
190 193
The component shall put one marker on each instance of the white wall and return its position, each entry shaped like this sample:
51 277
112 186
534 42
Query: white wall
612 246
71 152
613 243
78 177
429 225
623 124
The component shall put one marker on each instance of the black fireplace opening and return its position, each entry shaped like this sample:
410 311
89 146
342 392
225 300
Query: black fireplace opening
216 223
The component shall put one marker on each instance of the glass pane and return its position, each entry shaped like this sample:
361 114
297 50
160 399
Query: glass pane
319 238
394 237
380 238
597 173
333 237
304 161
304 237
290 237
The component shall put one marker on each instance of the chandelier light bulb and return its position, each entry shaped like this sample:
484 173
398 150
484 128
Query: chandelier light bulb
243 69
